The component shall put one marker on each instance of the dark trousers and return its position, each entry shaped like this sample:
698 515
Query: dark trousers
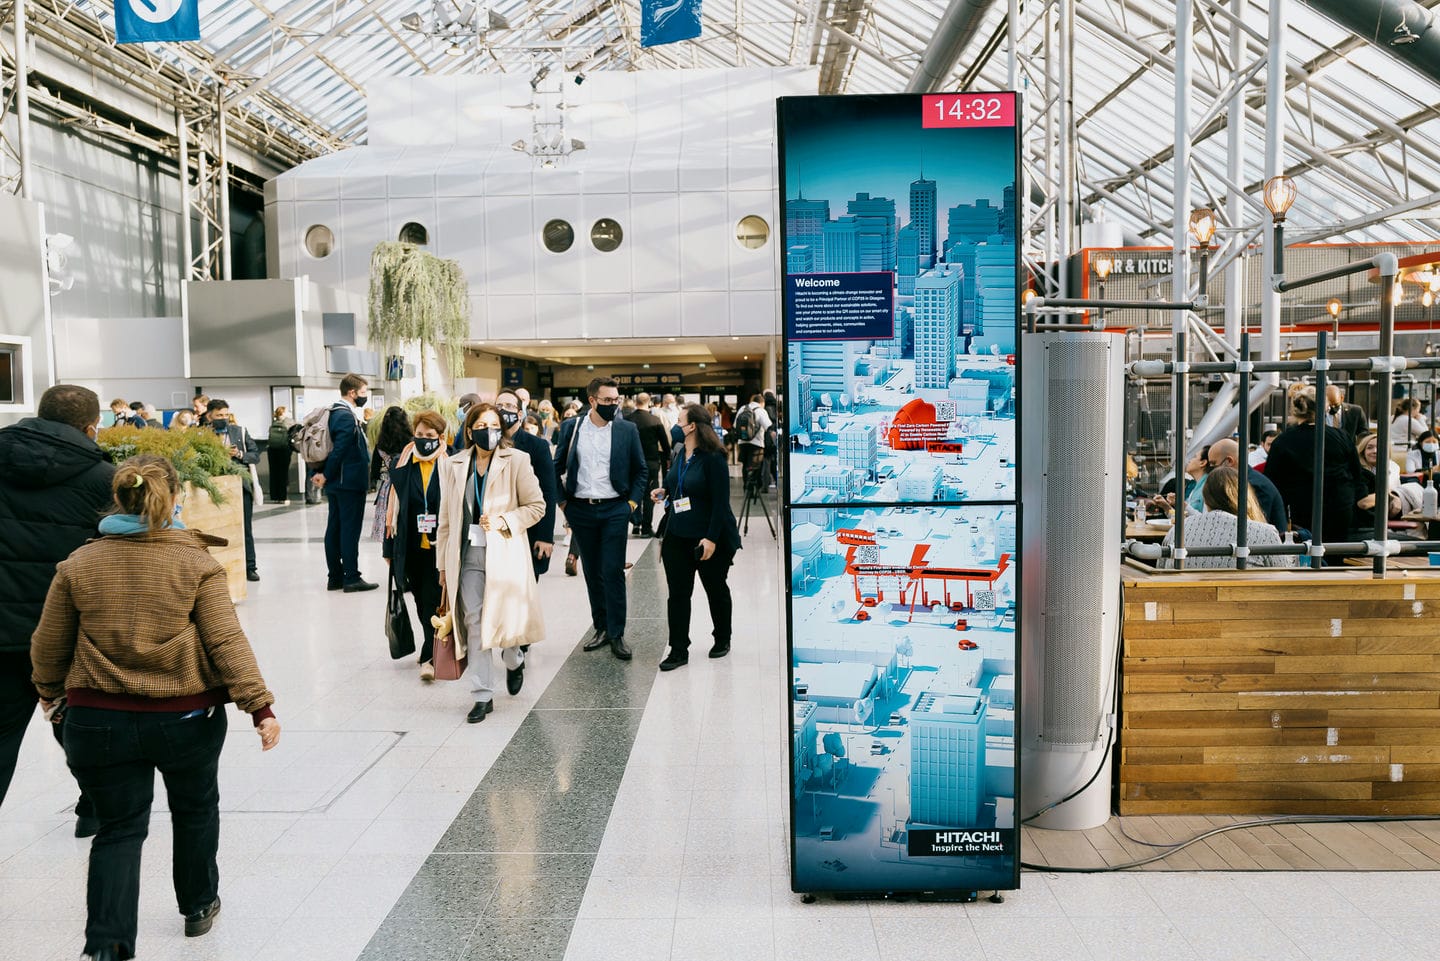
279 474
114 755
249 499
424 587
678 556
342 534
646 510
600 530
17 704
752 462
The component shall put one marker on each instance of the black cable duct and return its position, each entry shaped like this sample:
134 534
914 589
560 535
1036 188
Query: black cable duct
1402 28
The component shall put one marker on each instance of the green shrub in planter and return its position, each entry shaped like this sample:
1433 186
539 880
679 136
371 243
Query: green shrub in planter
198 455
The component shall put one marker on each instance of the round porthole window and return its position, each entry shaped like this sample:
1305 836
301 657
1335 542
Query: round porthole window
413 233
319 241
606 235
558 236
752 232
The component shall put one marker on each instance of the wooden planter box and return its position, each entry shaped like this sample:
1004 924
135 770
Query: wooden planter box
224 520
1281 693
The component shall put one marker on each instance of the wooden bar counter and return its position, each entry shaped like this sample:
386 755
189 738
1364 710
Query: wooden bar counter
1280 692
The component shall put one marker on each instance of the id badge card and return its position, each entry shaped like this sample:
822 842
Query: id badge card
682 504
477 535
426 523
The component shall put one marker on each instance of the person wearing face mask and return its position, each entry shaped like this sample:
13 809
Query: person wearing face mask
242 449
1422 457
542 534
700 535
1350 419
54 485
411 521
489 498
345 479
600 471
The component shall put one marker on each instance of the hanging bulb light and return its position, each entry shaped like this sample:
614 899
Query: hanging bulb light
1280 193
1103 262
1334 306
1397 294
1202 225
1429 348
1427 298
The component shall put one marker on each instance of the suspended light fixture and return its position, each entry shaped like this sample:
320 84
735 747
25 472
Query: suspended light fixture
1280 193
1103 262
1428 298
1334 307
1202 225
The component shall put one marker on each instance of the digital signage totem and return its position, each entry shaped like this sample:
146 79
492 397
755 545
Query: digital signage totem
901 503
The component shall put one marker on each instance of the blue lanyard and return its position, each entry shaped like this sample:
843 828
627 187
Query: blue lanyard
480 482
684 466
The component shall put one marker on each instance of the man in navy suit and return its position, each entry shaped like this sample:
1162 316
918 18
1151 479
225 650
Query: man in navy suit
512 421
345 479
600 472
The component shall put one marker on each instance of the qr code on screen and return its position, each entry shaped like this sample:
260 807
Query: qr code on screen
984 600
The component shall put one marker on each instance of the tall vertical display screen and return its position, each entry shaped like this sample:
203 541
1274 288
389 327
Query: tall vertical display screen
901 512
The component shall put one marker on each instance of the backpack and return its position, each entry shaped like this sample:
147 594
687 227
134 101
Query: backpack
279 437
312 436
746 426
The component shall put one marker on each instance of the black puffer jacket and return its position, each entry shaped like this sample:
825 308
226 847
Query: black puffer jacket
54 485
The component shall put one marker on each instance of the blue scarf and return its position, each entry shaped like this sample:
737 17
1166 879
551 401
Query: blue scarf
129 524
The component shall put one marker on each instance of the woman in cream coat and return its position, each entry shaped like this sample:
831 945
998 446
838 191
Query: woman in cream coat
484 555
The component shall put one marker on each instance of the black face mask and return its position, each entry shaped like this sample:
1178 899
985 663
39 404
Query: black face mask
425 446
508 419
485 438
361 400
606 412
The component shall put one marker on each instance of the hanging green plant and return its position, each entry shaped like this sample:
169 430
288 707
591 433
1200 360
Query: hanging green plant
416 297
198 455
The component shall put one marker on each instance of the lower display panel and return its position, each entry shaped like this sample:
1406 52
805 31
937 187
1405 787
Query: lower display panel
902 646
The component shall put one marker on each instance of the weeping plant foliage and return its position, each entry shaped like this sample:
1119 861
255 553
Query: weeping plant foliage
418 297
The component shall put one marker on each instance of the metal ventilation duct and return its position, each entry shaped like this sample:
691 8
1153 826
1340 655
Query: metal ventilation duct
1402 28
957 27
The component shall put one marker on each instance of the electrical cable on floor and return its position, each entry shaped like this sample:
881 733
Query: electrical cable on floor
1239 825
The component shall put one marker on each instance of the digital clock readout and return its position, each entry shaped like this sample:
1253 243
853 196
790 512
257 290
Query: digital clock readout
969 110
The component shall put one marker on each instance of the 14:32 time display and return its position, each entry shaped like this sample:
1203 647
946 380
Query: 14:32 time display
969 110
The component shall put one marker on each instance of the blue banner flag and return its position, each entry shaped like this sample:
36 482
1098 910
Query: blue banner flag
156 21
667 21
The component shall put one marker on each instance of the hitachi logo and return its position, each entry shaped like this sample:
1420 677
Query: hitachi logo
967 837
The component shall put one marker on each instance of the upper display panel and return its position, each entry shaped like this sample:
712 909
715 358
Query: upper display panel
900 297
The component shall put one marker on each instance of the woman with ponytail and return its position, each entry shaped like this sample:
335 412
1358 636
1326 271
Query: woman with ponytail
700 534
141 677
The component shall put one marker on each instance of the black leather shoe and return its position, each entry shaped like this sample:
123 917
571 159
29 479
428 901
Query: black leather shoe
720 649
478 712
357 586
618 648
515 679
596 642
674 660
334 585
198 924
252 575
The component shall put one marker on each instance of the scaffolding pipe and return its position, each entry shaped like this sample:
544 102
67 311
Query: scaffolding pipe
1389 270
1179 421
1012 63
187 256
1242 463
1068 161
1274 165
1179 238
222 179
22 101
1235 171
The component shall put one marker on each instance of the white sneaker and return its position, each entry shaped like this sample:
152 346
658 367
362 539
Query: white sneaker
427 672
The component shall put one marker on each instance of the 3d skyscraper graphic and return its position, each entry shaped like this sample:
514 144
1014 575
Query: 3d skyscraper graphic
804 221
859 448
877 231
937 326
972 223
841 245
947 758
907 260
922 216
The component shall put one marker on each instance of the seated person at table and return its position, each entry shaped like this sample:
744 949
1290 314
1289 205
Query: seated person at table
1404 498
1226 453
1423 455
1194 478
1216 527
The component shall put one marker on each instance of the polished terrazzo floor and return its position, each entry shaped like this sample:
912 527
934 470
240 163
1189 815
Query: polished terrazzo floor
608 812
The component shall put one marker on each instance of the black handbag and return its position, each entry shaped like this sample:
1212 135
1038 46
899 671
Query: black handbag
397 622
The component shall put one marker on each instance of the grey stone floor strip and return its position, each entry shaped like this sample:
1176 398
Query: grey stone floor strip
507 878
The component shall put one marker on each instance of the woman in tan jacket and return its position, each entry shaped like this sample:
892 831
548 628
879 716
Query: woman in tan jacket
141 676
489 498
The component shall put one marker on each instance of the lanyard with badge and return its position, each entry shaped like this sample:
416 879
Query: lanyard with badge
682 503
477 533
428 520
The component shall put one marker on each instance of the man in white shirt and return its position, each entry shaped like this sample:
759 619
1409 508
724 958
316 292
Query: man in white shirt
600 472
668 413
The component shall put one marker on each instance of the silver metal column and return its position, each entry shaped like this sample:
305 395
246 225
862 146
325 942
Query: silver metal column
1234 202
222 179
22 101
1066 145
1274 164
1012 63
187 253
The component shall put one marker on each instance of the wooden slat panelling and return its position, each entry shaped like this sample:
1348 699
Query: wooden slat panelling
1244 695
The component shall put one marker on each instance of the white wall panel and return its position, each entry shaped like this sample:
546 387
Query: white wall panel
704 241
754 312
362 226
419 184
363 187
511 317
500 182
562 272
607 272
420 210
509 249
460 236
657 314
655 172
560 316
329 270
751 269
704 314
462 175
655 256
608 315
317 188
